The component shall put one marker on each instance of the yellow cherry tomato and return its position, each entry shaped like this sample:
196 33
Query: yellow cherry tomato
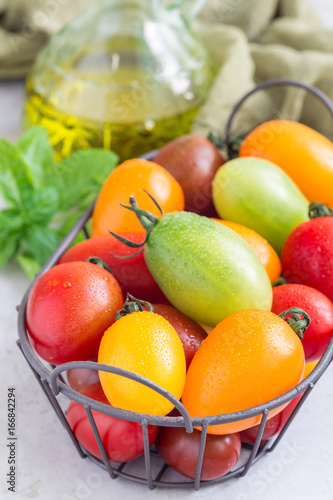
147 344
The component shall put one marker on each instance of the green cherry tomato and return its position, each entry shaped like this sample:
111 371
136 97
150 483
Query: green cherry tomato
205 269
258 194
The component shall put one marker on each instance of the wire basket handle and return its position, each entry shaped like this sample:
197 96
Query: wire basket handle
124 373
274 83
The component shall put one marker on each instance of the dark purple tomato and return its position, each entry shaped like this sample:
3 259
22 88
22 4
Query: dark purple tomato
180 450
189 331
193 160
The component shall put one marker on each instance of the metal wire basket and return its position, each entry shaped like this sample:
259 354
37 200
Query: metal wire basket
53 383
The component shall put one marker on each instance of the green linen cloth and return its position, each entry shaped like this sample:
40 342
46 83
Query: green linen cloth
252 41
255 41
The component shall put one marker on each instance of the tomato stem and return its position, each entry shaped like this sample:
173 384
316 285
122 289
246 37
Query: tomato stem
296 322
158 206
279 281
217 140
233 144
100 262
146 219
128 243
319 210
131 305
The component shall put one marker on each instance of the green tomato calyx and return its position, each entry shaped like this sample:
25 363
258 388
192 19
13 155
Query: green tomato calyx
99 262
131 305
319 210
146 219
296 322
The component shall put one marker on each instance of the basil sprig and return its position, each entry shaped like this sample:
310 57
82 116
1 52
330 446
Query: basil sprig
42 198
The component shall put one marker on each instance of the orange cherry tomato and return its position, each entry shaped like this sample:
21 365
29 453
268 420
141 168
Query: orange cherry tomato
275 425
131 178
304 154
266 253
248 359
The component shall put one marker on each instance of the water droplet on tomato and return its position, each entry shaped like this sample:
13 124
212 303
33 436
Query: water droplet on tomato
67 284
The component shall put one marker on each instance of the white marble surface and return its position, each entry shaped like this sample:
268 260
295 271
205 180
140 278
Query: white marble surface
48 466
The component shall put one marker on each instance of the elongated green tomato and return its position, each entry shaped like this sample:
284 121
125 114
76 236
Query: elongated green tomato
144 343
205 269
259 195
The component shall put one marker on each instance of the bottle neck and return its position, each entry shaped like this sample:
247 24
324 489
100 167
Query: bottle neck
152 6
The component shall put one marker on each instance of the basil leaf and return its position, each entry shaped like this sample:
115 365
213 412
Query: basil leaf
16 185
45 205
38 154
81 175
11 222
11 231
29 265
42 243
44 199
8 249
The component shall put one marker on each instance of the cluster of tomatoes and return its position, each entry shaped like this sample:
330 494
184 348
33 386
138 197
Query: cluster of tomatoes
185 245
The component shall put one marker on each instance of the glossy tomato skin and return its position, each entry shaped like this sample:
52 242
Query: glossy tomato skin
132 274
144 343
131 178
318 307
122 439
275 424
259 195
190 332
266 253
307 256
78 378
193 160
304 154
188 254
69 308
180 450
248 359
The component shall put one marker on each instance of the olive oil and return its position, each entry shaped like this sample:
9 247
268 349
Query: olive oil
69 132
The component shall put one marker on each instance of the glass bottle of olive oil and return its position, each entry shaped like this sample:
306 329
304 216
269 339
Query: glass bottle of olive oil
127 75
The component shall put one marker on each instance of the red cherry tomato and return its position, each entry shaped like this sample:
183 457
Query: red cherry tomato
307 255
180 450
132 274
318 307
122 440
78 378
189 331
69 308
